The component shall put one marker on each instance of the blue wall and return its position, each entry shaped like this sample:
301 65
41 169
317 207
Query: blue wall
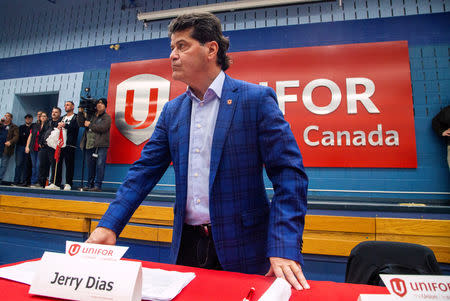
19 243
41 38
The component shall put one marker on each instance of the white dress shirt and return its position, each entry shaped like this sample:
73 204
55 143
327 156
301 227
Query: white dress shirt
203 122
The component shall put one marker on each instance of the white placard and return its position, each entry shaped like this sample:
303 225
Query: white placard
375 297
418 287
79 278
74 248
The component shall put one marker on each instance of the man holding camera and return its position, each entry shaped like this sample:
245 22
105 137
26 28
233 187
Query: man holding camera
11 139
96 142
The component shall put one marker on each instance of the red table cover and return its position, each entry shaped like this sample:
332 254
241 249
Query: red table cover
211 285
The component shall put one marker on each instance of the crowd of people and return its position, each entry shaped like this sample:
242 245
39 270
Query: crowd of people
37 165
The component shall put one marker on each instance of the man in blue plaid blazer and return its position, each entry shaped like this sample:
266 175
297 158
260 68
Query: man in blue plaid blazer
219 135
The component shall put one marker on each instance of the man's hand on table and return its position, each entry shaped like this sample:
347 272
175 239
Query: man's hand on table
102 236
289 270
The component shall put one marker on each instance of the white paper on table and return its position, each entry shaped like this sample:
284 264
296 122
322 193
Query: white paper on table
22 272
280 290
161 285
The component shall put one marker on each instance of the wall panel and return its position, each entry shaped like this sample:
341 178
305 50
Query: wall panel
33 27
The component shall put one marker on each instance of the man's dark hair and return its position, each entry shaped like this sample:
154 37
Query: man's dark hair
70 102
206 28
57 109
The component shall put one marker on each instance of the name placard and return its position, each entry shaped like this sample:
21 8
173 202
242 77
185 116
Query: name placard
74 248
418 287
78 278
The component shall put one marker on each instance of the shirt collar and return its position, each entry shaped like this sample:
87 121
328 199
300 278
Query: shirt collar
214 90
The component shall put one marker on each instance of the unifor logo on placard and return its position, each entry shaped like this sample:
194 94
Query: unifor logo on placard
398 286
139 102
74 249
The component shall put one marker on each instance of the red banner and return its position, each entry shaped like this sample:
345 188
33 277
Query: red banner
348 105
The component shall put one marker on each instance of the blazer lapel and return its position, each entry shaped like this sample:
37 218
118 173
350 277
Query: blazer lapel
227 107
184 125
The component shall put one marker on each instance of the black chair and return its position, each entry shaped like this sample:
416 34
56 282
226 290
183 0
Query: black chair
370 258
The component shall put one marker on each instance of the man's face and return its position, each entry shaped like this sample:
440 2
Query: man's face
68 107
55 114
8 118
28 120
188 57
38 115
100 107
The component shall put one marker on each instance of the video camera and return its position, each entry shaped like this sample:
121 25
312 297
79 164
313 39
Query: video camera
88 104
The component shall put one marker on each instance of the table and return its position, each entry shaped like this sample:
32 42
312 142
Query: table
211 285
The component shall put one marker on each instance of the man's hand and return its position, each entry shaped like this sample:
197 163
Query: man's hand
289 270
7 143
102 236
61 125
87 123
27 149
446 132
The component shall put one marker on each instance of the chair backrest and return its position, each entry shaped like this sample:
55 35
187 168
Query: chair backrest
370 258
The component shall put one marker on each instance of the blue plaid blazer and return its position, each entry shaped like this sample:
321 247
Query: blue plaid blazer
250 134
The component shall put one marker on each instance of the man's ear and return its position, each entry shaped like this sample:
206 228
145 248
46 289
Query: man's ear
213 48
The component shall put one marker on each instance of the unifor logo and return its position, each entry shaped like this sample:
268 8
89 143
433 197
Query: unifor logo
139 102
398 286
73 249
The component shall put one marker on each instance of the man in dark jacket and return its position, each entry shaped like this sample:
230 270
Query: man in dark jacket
69 122
96 143
441 125
22 175
3 134
11 139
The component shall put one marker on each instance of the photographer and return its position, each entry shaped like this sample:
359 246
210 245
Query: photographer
96 142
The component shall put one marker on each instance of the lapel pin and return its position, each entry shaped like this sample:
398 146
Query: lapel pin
229 101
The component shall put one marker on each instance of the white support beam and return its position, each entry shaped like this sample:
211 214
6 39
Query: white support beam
215 8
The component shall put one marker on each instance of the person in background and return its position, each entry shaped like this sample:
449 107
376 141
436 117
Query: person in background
47 154
23 165
33 147
220 135
69 122
11 139
3 134
96 142
441 125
